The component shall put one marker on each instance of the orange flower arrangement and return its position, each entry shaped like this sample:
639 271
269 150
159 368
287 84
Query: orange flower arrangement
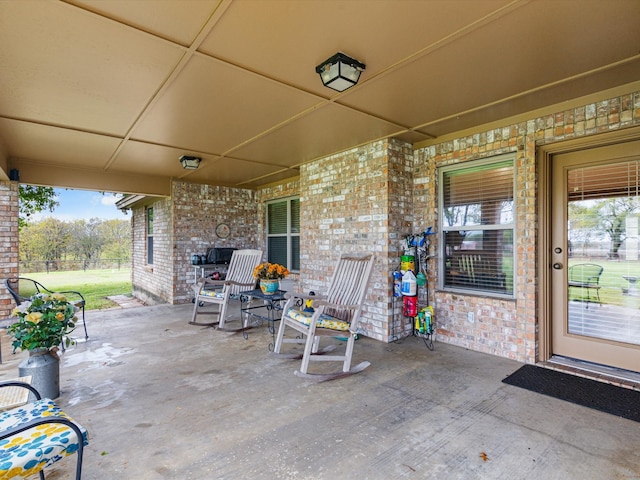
270 271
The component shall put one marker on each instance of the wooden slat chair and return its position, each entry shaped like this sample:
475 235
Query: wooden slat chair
335 315
36 435
468 264
218 292
22 288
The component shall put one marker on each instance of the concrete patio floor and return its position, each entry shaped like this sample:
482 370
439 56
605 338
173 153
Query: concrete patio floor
162 399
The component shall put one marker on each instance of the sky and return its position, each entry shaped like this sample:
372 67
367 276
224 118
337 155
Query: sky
83 204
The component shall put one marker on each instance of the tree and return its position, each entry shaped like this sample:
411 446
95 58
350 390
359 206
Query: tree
612 214
44 240
86 240
89 241
606 217
584 226
461 215
34 199
117 238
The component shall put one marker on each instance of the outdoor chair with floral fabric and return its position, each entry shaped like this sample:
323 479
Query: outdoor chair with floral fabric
36 435
334 315
22 289
218 292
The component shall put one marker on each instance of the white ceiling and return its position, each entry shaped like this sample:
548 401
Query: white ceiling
106 95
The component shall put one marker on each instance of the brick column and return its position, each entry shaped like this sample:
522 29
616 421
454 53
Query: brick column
8 241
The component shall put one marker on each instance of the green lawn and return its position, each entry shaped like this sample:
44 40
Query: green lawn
95 285
612 282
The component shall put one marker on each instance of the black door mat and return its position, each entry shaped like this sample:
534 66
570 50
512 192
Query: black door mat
618 401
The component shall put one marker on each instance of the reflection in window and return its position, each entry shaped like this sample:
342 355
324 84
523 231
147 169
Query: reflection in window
477 219
603 240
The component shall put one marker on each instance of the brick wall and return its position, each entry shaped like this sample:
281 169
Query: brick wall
185 225
153 283
369 198
401 223
197 210
8 241
507 328
356 201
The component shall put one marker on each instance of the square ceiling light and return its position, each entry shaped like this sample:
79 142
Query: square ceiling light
340 72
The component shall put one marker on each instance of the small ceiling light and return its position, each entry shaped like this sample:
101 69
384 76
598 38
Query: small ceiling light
190 163
340 72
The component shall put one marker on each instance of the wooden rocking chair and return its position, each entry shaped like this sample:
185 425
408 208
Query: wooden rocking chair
218 292
334 315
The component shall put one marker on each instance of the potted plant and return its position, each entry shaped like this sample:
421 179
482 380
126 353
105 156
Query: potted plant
270 275
42 325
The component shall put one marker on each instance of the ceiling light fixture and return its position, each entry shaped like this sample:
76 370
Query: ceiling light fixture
340 72
190 163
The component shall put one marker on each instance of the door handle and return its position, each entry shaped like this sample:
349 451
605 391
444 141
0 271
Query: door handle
557 266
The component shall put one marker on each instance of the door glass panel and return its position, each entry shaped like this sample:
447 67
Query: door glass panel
603 252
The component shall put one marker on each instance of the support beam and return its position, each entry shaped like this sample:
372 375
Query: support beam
36 173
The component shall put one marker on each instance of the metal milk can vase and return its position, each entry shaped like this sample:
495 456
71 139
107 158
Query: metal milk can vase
44 368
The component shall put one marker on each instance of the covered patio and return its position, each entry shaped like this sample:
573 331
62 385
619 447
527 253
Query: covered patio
166 400
117 97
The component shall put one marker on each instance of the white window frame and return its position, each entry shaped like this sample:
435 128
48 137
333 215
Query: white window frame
289 235
149 235
442 254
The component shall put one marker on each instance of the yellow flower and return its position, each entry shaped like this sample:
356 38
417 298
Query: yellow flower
43 322
270 271
34 317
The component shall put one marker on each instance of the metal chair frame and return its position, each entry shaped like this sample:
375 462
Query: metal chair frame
7 434
586 276
40 288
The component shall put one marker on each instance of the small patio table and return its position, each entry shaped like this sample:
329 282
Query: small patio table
633 289
272 303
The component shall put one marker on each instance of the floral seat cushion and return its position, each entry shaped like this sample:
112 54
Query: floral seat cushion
28 452
212 293
218 294
325 321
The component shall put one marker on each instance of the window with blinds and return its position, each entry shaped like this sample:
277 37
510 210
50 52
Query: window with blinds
477 218
283 233
150 235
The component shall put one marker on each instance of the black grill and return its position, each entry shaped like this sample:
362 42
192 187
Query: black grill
219 256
